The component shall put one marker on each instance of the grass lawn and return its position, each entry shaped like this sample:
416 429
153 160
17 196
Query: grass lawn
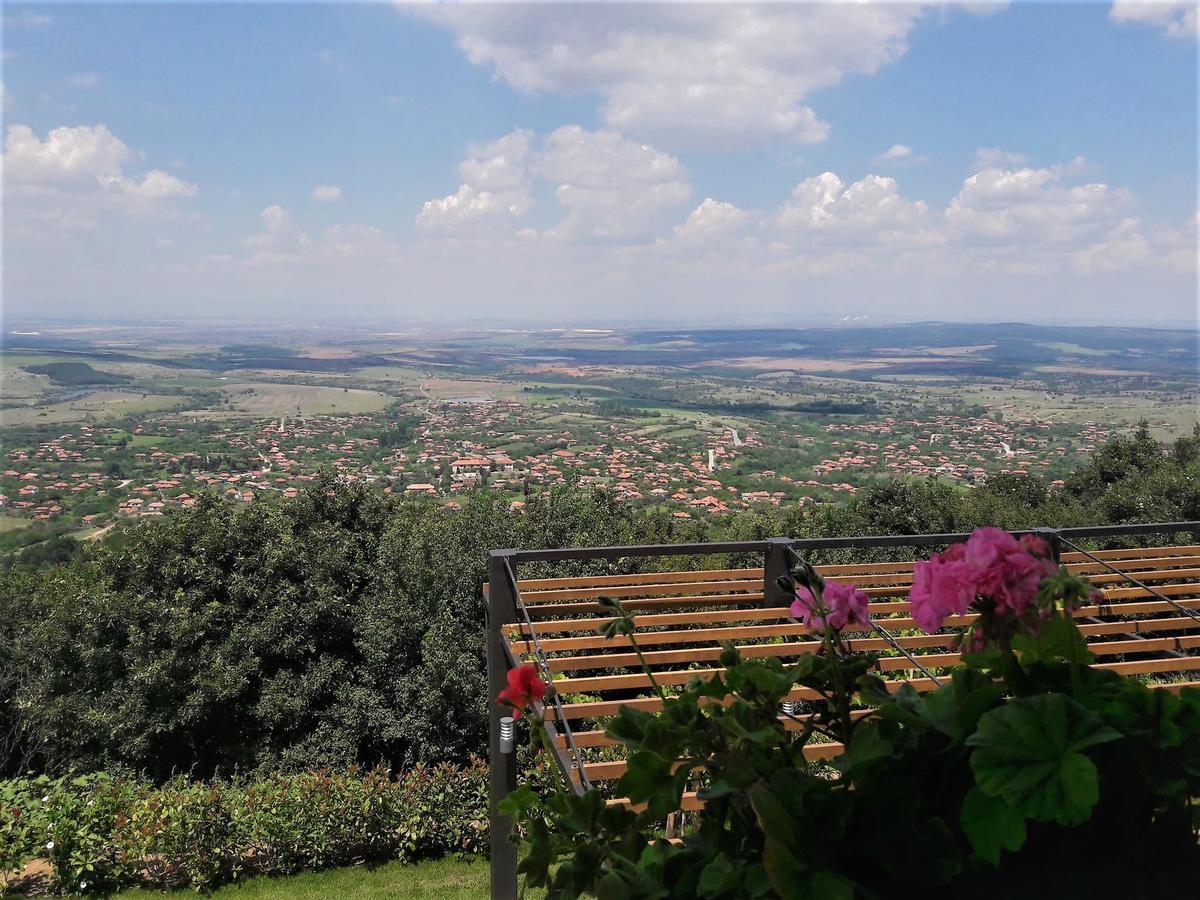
453 879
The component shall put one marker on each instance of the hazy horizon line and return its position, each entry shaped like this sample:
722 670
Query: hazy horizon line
10 324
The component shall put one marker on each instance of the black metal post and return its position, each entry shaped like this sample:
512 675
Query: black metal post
502 610
776 562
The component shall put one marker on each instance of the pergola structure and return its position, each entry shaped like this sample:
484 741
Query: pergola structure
1147 624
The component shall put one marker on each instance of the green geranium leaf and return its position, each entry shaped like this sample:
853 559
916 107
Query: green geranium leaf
1028 752
612 887
791 879
629 725
773 817
991 825
866 747
1059 639
956 708
953 709
539 854
646 778
717 878
827 885
803 668
719 788
756 882
988 658
905 706
580 812
730 656
518 801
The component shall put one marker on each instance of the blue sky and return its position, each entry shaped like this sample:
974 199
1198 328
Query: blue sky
601 161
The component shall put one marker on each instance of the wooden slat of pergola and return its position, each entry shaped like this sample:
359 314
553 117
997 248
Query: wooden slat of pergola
683 618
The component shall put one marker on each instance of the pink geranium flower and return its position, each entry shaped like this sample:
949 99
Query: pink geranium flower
1039 550
943 586
986 546
991 564
844 605
987 549
1020 577
1004 569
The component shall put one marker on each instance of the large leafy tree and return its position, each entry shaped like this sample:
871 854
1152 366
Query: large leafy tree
341 627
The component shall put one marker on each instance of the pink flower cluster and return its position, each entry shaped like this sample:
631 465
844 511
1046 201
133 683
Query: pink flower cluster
844 605
992 564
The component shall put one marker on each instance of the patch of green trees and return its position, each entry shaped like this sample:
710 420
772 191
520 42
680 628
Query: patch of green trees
76 373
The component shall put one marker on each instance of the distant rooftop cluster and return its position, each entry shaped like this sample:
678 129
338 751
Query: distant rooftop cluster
94 475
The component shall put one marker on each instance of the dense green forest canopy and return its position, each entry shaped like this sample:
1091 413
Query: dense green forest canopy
76 373
347 626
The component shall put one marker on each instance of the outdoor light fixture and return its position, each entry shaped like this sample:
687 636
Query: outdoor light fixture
788 707
507 734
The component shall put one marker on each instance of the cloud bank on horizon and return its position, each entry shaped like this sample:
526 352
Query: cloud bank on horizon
609 162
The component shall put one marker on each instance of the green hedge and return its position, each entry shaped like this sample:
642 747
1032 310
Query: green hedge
102 832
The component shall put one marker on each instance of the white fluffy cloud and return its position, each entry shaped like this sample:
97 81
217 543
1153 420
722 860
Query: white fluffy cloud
897 156
1004 223
498 167
824 210
74 175
613 189
682 73
1177 17
494 193
280 238
896 151
326 193
1126 246
1033 207
67 154
610 188
713 221
154 185
1006 214
1007 218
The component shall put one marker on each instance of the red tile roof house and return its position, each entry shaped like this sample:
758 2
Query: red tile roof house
470 465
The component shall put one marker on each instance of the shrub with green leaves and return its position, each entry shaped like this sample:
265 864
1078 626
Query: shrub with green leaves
22 826
317 819
82 815
102 832
180 833
443 809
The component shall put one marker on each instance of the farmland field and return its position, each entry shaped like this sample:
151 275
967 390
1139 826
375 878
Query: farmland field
92 405
261 398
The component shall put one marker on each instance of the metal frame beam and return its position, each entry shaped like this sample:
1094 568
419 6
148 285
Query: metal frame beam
502 775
